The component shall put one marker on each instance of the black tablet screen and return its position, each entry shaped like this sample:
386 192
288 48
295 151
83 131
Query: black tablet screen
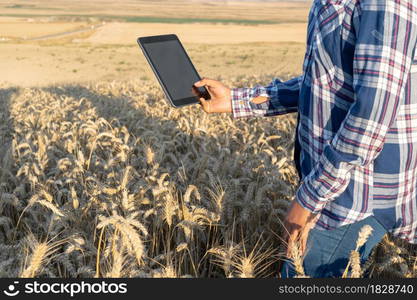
174 68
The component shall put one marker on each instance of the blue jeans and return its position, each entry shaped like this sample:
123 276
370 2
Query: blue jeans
328 251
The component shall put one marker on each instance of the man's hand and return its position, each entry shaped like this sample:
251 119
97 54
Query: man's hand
220 101
297 225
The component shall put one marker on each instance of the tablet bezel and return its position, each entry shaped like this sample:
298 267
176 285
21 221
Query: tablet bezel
164 38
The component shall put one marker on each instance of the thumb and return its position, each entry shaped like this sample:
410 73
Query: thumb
293 238
303 240
290 244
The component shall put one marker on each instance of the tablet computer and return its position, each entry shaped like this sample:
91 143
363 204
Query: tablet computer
173 68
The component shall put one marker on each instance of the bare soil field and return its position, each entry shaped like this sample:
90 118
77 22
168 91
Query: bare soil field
122 33
110 51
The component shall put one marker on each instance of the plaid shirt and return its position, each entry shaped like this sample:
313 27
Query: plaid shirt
356 137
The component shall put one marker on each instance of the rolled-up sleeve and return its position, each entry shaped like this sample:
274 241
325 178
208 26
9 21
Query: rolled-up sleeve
282 98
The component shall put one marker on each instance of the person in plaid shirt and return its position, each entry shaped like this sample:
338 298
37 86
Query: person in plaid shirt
356 136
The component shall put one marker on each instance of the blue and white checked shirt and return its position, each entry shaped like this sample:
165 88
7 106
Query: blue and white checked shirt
356 141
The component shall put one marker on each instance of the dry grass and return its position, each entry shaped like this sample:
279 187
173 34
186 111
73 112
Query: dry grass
128 187
59 62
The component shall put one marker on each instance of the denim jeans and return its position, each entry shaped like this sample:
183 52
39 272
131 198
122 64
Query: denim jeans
328 251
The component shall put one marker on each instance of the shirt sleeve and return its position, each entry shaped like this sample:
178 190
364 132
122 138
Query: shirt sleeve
282 98
386 39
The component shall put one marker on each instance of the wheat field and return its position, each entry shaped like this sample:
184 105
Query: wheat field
106 180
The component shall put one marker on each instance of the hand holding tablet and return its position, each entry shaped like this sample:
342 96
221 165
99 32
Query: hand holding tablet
173 69
220 97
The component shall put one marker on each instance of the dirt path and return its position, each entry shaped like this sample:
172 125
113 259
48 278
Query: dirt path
67 33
